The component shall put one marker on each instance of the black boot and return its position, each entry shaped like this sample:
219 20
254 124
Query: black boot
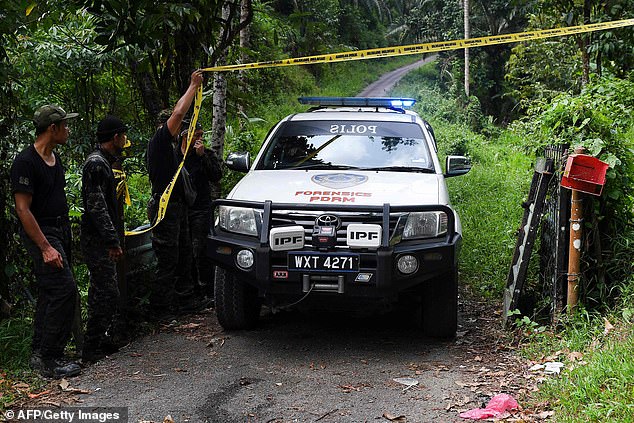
54 367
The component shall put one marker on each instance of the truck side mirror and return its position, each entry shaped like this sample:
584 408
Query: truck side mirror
240 162
457 165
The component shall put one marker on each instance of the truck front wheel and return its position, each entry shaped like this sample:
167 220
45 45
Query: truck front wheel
440 306
237 303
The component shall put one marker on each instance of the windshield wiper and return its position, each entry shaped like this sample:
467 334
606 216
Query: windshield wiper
325 166
400 169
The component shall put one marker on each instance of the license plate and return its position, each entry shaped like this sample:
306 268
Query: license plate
323 262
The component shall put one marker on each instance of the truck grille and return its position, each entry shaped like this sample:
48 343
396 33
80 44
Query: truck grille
307 221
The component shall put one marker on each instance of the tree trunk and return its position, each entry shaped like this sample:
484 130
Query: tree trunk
246 7
149 93
585 44
219 105
467 34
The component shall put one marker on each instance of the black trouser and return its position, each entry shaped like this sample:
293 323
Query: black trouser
57 293
173 249
203 269
103 325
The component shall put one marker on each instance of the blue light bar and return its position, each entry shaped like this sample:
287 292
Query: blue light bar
391 102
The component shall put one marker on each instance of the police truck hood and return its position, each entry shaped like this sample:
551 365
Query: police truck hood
341 187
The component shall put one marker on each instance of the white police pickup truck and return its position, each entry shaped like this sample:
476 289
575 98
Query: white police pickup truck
344 206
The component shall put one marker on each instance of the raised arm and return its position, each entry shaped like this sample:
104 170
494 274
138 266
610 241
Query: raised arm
183 104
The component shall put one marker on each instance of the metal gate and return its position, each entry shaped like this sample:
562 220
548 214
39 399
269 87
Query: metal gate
554 234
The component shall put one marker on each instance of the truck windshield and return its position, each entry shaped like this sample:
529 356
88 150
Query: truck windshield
362 145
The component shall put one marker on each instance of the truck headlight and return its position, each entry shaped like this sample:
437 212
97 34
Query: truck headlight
425 225
239 220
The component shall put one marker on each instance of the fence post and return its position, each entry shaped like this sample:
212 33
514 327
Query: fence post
574 248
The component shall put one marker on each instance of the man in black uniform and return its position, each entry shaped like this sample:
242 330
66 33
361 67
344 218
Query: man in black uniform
203 167
100 243
37 183
173 288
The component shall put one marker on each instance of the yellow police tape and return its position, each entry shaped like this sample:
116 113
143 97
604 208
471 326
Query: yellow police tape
122 186
373 54
426 47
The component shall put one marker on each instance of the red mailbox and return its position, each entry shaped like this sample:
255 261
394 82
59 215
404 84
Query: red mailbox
584 173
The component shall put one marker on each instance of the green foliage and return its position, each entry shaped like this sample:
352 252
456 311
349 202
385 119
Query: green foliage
494 187
541 69
15 349
15 343
524 324
597 119
140 190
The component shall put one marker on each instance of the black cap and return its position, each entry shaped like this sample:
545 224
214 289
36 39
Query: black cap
109 127
187 123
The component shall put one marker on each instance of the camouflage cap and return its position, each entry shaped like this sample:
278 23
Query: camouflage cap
50 114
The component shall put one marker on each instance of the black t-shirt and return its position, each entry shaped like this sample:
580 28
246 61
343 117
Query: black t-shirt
202 170
162 162
31 174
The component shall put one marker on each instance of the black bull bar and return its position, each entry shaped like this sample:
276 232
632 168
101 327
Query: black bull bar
268 206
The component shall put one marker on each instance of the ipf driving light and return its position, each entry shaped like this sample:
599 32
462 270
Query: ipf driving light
407 264
244 259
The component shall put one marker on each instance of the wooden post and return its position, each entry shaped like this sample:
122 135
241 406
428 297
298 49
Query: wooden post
574 248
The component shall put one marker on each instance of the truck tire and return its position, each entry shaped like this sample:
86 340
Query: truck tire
237 303
439 312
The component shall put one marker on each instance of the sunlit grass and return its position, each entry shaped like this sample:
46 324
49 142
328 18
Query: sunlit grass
599 390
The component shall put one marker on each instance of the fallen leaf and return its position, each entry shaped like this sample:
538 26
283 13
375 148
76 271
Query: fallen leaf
608 326
391 417
349 388
41 394
188 326
544 415
575 356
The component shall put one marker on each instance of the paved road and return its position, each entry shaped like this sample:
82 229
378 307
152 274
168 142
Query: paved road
293 368
383 86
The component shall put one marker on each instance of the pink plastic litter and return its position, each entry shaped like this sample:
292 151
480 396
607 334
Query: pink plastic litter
496 406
